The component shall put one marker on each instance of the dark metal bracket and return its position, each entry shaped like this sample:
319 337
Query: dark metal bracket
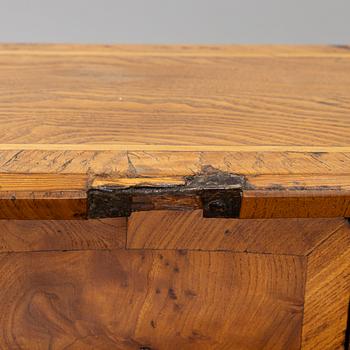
221 203
218 194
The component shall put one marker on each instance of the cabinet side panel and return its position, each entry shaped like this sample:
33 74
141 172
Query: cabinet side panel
327 293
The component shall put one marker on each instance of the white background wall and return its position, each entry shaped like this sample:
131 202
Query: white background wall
176 21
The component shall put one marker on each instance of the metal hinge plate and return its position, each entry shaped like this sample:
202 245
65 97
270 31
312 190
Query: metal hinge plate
218 194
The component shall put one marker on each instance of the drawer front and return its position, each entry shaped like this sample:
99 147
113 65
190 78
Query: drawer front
150 299
189 230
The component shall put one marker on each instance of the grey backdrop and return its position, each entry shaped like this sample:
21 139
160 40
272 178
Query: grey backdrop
176 21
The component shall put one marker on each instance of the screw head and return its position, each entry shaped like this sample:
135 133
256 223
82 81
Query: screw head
217 205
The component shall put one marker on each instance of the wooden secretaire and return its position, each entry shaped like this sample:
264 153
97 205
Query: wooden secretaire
174 197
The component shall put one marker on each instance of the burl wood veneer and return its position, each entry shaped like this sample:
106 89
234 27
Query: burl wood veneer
174 197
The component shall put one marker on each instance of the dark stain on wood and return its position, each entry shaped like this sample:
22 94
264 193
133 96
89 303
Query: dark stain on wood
344 47
172 294
278 187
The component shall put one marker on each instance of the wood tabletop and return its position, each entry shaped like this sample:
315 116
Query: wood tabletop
73 116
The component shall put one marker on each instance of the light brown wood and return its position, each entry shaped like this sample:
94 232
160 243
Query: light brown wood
43 196
157 299
118 163
327 293
317 182
189 230
241 160
171 111
141 182
286 196
80 120
298 203
42 182
50 205
64 196
204 100
178 50
46 235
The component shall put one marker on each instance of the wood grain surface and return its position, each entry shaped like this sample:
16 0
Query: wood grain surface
43 196
172 111
178 50
47 235
76 117
278 284
327 293
36 205
189 230
298 203
201 99
150 299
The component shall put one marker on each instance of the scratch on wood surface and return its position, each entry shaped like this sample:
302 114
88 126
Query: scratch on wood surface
132 172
